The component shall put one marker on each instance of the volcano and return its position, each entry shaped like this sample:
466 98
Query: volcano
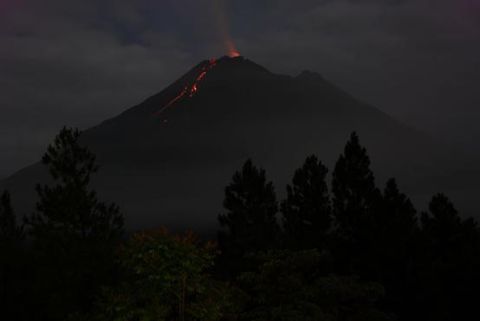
167 160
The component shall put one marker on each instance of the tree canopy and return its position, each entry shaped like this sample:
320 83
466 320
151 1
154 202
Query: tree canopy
74 233
306 209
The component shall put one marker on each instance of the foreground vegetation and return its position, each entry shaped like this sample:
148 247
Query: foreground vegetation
348 252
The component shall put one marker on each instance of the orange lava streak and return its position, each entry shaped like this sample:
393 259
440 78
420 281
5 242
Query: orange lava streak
192 89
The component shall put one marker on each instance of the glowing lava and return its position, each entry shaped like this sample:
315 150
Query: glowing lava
233 53
191 89
231 48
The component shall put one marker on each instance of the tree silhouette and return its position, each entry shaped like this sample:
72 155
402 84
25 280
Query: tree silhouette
398 216
392 253
250 221
381 255
355 198
449 263
11 267
10 231
443 223
353 187
73 232
306 210
394 228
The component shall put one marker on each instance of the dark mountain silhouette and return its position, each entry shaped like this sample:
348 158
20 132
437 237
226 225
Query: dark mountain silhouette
167 160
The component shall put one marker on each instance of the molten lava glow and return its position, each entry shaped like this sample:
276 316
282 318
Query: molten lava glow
191 89
234 54
231 48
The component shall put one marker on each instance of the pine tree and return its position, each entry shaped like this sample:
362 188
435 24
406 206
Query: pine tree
11 285
395 243
250 221
449 264
355 199
353 187
10 232
399 214
443 223
73 232
306 210
395 226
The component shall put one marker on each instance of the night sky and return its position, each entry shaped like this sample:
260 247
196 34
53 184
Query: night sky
77 63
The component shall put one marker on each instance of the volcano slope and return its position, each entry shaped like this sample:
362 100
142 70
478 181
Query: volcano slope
167 160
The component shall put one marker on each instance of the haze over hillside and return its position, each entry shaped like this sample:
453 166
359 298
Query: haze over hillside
167 160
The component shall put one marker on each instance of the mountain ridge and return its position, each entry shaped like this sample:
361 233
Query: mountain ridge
170 167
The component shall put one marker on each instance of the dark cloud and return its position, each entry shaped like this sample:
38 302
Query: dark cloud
79 62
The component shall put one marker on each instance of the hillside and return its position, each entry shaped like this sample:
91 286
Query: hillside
167 160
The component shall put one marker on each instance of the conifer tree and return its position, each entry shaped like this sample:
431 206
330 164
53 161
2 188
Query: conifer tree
399 214
395 226
353 187
393 250
11 285
74 233
449 263
306 210
249 223
355 199
10 231
443 222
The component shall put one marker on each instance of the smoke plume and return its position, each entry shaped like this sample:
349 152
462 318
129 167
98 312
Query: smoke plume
223 25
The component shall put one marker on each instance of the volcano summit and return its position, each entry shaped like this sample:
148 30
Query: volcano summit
167 160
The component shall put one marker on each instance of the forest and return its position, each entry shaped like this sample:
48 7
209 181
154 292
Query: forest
337 248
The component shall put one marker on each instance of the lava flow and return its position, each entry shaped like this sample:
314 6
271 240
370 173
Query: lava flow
191 89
